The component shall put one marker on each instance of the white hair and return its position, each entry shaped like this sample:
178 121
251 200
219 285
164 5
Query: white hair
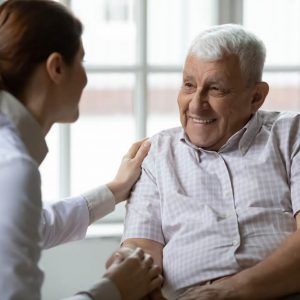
219 41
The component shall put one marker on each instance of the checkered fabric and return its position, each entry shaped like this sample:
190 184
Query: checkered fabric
217 213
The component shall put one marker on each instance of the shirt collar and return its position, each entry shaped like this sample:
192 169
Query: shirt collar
29 130
251 130
243 138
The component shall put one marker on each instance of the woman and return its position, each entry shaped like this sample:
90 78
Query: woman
41 81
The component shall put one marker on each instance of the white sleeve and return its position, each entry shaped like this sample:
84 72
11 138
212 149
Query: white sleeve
64 221
101 202
68 220
78 297
20 210
103 290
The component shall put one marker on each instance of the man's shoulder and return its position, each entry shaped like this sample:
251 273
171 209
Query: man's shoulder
163 143
171 133
278 118
167 138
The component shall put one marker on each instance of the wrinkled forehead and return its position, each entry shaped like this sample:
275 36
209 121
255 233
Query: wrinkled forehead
227 62
227 59
225 69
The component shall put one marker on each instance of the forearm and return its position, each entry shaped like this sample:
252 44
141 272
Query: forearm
154 249
100 202
151 247
276 276
104 289
64 221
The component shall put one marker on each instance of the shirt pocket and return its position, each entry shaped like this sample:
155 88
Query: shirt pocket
182 214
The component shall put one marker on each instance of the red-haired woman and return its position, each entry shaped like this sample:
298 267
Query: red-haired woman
41 81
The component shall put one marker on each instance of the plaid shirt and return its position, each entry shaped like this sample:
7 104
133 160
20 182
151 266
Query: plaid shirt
217 213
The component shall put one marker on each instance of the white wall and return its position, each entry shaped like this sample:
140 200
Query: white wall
75 266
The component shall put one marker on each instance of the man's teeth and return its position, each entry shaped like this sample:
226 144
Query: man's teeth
202 121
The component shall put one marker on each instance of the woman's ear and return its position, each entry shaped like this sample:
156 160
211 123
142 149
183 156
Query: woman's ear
259 95
55 67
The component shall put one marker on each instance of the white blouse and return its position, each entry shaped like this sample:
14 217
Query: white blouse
25 226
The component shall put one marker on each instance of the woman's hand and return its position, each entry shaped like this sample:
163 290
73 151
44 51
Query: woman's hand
129 170
134 274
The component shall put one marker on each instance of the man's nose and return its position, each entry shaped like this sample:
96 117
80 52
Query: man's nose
199 102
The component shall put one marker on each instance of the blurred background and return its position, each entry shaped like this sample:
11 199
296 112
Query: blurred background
135 50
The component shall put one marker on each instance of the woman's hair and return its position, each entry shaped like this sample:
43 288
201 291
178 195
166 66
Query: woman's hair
30 30
219 41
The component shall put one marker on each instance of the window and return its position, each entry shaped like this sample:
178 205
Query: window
116 10
135 50
280 33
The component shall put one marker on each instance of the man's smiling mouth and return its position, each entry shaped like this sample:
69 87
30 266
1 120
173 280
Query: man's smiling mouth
202 120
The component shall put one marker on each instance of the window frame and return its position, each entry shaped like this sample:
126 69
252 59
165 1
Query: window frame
228 11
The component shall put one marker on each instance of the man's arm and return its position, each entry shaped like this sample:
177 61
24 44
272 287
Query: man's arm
151 247
276 276
155 250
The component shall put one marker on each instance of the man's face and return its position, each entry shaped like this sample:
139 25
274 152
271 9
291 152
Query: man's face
214 101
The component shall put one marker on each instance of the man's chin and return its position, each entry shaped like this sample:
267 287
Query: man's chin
203 143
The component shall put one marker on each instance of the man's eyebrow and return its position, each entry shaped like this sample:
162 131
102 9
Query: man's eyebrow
187 77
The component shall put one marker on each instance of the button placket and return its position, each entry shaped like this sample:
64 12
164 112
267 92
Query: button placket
228 198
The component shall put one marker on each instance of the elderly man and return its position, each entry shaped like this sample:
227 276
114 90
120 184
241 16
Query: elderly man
217 202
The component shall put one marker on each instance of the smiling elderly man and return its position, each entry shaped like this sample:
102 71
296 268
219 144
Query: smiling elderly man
217 202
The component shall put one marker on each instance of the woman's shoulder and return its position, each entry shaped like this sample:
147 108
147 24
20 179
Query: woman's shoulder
12 149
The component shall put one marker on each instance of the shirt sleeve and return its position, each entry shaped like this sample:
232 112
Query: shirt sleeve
68 220
143 209
295 182
100 201
20 210
78 297
64 221
103 290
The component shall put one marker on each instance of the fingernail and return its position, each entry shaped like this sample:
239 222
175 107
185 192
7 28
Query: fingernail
147 143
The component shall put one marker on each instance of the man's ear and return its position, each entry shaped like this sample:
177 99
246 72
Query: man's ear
260 93
55 67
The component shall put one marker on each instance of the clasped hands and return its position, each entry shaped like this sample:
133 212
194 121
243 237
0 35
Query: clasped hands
138 278
134 274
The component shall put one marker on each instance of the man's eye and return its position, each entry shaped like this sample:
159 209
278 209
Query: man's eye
215 88
218 91
188 84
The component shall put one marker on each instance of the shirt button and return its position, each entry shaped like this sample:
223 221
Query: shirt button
235 242
226 194
230 215
243 149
